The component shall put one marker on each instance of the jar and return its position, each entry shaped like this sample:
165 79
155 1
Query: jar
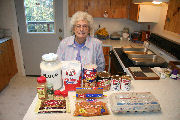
50 91
60 95
51 69
104 80
57 95
115 82
41 87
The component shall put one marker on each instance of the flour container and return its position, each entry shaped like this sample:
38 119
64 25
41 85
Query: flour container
51 69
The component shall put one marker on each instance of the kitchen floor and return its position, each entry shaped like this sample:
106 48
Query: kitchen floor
16 98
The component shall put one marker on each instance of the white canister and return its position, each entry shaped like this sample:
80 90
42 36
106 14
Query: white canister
51 69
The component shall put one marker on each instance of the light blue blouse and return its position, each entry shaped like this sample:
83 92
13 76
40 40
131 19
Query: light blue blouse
91 52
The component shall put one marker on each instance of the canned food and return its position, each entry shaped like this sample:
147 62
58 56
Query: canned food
116 82
89 75
104 80
125 83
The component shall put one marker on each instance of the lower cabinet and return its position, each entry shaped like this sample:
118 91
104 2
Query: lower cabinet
8 66
106 51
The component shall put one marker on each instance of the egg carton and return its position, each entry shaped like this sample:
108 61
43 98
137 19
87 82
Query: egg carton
132 102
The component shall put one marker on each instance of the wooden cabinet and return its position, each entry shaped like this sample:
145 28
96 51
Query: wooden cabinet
144 13
76 5
119 8
106 51
172 22
8 66
97 8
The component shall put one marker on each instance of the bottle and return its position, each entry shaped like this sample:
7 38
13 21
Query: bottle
51 69
41 87
50 91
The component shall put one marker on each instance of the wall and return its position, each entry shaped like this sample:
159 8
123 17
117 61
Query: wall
159 27
8 20
112 25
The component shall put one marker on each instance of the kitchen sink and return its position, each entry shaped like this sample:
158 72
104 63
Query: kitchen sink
137 51
143 56
146 59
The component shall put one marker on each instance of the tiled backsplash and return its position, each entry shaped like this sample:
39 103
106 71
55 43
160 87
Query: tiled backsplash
115 25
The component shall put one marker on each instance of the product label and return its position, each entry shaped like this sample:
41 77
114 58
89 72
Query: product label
53 77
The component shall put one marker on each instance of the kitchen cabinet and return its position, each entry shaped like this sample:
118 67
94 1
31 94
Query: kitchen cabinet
107 57
76 5
119 8
144 13
8 66
97 8
172 22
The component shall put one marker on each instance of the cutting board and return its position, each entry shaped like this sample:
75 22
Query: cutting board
143 73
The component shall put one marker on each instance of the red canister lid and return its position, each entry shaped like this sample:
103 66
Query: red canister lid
57 92
41 79
64 93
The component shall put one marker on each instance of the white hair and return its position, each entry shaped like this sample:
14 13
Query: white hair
80 15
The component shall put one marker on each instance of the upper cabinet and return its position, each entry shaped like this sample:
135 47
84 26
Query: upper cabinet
76 5
97 8
144 13
119 8
172 22
100 8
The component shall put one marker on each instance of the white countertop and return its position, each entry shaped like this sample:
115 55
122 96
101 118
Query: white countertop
4 39
120 43
165 90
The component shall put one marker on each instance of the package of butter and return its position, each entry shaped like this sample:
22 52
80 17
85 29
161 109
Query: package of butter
124 102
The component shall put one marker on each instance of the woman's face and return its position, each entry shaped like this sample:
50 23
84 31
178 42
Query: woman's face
81 29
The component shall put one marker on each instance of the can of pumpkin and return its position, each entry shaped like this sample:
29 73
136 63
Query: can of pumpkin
104 80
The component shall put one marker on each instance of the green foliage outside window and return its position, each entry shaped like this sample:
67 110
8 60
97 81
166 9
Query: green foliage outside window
39 15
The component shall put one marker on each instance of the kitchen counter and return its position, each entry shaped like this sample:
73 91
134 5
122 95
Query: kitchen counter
166 91
120 43
4 39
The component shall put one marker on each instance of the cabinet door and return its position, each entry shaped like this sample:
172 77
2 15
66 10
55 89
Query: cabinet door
97 8
77 5
107 58
172 22
134 12
12 59
119 8
4 74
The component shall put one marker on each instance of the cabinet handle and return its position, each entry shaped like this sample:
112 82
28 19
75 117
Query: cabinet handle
60 38
60 30
105 14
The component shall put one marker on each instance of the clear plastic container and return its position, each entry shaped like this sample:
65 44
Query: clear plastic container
51 69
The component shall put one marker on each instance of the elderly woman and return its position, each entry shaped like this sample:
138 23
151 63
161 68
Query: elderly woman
82 46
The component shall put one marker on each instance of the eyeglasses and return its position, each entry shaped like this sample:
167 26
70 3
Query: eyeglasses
83 26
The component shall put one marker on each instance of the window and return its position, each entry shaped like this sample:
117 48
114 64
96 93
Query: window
39 15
